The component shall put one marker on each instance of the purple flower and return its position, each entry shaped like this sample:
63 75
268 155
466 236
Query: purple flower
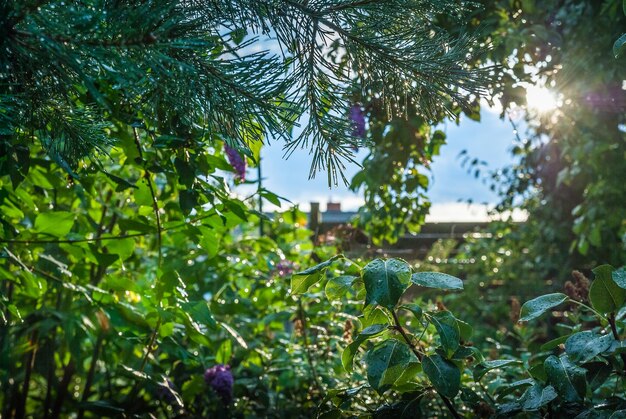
221 380
236 161
357 117
284 268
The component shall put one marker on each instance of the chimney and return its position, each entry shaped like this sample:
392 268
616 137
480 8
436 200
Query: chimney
333 207
314 216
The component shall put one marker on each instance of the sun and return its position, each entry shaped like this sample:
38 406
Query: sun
541 99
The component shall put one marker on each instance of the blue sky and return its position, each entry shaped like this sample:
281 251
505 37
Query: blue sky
451 185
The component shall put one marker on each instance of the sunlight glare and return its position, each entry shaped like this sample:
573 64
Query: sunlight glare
541 99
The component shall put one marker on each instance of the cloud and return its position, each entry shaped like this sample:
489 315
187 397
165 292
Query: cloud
462 212
439 212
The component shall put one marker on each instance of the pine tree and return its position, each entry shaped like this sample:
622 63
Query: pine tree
190 72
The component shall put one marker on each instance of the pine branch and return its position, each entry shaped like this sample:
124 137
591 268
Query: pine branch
186 68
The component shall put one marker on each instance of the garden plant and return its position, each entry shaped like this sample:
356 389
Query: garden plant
137 281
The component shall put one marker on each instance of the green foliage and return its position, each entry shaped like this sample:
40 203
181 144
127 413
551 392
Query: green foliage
129 267
407 362
536 307
605 295
385 282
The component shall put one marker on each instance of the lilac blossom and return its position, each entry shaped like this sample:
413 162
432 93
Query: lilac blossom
236 161
357 117
284 268
221 380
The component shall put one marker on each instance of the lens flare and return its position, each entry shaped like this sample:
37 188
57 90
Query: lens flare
540 99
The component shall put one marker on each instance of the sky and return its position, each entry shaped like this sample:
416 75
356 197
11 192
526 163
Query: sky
451 185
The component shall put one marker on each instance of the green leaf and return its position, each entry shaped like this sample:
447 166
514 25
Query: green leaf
597 373
209 241
443 374
347 357
619 46
413 308
237 208
385 281
465 329
619 277
373 315
516 385
224 352
31 285
301 284
55 223
166 329
386 363
122 247
484 367
537 396
437 280
338 287
584 346
200 312
188 200
604 294
448 330
537 306
568 379
548 346
302 281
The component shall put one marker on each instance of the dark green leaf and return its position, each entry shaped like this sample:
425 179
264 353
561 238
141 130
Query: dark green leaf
584 346
386 363
443 374
537 396
548 346
568 379
347 357
619 277
448 330
516 385
604 294
385 281
413 308
200 312
597 373
537 306
188 200
484 367
619 46
465 329
437 280
338 287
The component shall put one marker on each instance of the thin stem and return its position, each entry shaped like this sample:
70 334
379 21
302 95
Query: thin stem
62 389
100 239
611 319
150 344
406 337
20 411
587 307
419 356
70 241
307 350
155 203
259 189
91 373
